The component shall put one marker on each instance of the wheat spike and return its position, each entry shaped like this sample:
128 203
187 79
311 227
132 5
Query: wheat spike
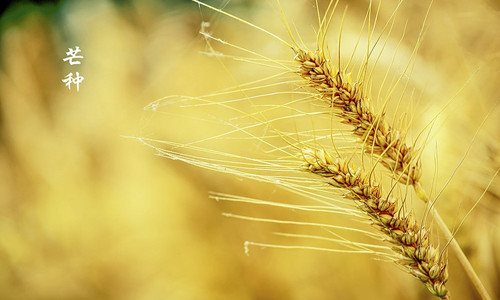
410 240
354 108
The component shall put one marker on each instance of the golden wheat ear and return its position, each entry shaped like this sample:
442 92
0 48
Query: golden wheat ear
353 107
417 255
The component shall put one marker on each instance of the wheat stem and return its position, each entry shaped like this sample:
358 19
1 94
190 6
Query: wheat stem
462 258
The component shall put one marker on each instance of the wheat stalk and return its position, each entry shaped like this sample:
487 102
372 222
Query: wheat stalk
411 241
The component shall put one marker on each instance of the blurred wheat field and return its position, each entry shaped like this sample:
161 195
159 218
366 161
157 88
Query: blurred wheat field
87 213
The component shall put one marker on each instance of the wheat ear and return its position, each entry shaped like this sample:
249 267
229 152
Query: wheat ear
410 240
353 107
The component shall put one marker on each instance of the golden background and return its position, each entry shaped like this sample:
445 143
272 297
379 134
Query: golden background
87 213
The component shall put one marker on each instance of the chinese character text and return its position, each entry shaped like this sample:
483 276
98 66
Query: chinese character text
73 56
69 79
